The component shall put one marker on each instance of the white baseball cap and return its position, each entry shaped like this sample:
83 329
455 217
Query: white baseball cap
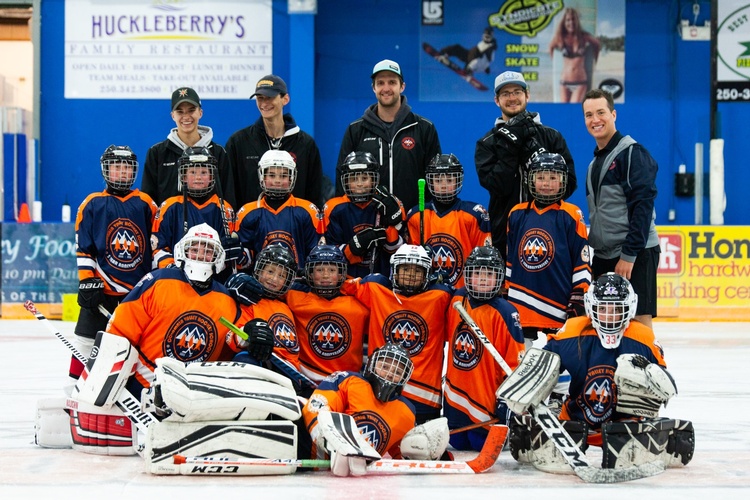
509 77
386 65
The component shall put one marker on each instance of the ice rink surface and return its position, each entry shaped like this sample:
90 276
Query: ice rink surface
710 362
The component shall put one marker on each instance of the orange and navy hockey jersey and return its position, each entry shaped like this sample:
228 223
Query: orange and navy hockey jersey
416 322
330 332
383 424
593 396
343 219
451 234
281 321
473 375
169 224
113 239
165 316
548 260
296 224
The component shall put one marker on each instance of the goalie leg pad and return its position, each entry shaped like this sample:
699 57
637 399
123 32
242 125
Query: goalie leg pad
625 444
111 363
221 391
98 431
529 443
52 424
531 382
219 439
427 441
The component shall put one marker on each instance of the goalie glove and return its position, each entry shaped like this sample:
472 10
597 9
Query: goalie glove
388 206
427 441
90 292
642 386
363 241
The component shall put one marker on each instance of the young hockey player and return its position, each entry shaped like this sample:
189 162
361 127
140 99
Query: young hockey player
409 311
198 203
330 326
365 221
278 216
618 380
472 375
450 226
548 255
113 233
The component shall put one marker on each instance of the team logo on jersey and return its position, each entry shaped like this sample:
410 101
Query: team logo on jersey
191 337
536 250
447 256
284 333
597 399
125 244
330 335
467 352
408 329
408 142
374 428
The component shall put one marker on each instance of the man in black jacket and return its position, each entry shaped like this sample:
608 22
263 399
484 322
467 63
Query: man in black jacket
402 141
502 154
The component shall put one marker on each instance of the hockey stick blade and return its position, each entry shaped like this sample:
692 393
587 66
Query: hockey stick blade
125 401
245 467
558 435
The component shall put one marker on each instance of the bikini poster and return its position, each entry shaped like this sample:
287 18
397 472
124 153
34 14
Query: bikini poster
563 48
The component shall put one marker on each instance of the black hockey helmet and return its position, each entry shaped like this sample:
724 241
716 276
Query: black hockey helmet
444 167
277 254
205 162
484 272
328 255
547 168
360 175
388 370
119 155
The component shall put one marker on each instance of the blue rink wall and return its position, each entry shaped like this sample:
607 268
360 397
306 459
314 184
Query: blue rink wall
667 104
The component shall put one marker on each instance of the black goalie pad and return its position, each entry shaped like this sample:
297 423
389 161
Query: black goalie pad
625 444
529 444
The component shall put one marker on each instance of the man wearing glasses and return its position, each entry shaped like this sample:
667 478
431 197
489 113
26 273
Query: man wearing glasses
502 154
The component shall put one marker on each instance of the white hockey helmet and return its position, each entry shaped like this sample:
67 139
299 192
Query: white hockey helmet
200 254
611 303
410 254
283 165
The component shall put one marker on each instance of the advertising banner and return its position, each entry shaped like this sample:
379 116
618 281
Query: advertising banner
733 51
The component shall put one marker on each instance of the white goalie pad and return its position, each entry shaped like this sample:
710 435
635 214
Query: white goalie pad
532 382
202 392
642 387
338 434
111 363
220 440
529 444
52 424
427 441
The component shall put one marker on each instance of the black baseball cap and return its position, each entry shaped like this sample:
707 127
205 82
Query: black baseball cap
185 94
270 86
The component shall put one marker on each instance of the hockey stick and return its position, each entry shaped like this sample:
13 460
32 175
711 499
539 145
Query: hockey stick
482 463
284 366
475 425
225 222
125 401
420 184
558 435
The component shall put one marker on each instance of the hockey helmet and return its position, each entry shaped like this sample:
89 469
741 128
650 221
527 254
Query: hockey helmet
388 370
551 173
445 177
360 175
412 281
484 272
197 172
611 303
275 167
112 162
200 254
275 269
326 256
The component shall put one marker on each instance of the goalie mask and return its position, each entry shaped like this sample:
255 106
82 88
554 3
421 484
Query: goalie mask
611 303
410 266
199 254
197 172
388 370
325 270
445 177
360 175
277 173
275 269
484 272
547 177
119 167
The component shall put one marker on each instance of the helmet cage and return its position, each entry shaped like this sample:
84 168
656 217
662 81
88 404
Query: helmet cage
482 265
192 159
279 255
200 254
118 156
542 167
357 166
445 168
388 370
611 303
410 254
330 255
277 162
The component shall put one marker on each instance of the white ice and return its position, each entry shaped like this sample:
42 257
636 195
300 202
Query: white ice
710 362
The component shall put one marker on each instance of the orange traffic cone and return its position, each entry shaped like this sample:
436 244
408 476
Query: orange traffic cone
24 216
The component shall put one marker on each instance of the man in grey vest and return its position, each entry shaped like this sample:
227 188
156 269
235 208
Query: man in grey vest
620 190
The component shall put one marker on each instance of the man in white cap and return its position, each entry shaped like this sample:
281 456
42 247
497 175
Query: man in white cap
274 130
502 154
402 141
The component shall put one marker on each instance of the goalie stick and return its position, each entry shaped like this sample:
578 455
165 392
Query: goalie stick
558 435
227 466
130 406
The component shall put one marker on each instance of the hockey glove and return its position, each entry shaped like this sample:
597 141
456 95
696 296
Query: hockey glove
388 206
642 386
244 288
365 240
575 306
90 292
233 250
260 339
